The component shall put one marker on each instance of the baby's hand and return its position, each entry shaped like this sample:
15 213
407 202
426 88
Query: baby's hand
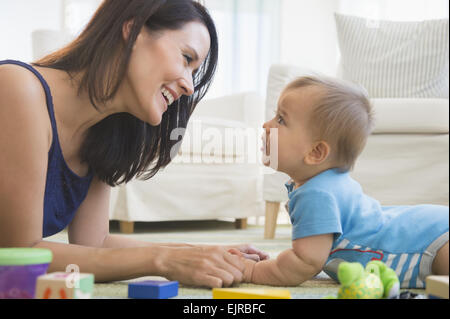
250 252
249 264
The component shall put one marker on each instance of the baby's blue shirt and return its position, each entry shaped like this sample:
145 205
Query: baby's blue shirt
333 202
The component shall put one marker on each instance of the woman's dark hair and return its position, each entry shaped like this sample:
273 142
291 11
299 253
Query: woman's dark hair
121 147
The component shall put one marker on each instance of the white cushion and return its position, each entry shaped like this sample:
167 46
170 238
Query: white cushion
395 59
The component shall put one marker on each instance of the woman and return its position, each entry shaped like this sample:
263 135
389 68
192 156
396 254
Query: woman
96 114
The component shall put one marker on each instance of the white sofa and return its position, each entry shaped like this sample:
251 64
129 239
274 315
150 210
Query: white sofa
405 160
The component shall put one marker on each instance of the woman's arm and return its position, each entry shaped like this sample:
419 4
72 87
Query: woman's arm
90 226
196 266
115 257
25 132
105 264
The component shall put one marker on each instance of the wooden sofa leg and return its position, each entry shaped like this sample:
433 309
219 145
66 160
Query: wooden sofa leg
241 223
270 223
126 227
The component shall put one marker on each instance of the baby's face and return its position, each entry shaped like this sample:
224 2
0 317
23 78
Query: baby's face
292 125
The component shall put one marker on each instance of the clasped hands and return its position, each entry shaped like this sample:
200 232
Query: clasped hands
210 266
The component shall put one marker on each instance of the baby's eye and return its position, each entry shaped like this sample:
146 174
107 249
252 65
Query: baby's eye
280 120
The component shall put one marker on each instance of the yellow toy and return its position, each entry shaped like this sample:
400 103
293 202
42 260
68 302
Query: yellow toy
249 293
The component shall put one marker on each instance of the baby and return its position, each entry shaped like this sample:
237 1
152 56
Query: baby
322 126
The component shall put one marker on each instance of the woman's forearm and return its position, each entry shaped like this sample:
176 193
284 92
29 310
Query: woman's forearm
121 241
210 266
107 264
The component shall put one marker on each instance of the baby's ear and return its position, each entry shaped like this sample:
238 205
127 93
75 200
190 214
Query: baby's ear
318 154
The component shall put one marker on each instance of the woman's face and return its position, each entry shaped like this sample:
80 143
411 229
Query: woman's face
161 69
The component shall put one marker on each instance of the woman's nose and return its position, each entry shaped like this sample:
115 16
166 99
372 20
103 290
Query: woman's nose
187 84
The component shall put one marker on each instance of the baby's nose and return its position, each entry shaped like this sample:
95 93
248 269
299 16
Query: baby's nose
266 127
266 130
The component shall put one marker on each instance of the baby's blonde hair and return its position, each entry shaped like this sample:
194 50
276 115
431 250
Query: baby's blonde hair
342 116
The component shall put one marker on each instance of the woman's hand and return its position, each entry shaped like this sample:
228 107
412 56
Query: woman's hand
210 266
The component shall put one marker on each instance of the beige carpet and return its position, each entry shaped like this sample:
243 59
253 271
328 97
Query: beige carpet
214 232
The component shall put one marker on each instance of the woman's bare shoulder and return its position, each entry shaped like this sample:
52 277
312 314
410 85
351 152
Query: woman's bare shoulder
24 143
23 102
18 85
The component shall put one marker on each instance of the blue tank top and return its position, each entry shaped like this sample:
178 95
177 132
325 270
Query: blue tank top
64 190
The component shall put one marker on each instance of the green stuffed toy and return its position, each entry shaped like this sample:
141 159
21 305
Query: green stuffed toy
376 281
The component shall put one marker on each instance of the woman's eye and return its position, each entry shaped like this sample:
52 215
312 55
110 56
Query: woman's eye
187 58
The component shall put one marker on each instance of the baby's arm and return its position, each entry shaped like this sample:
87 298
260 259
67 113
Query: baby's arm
293 266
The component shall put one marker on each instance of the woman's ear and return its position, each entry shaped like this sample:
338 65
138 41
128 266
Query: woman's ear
318 154
126 29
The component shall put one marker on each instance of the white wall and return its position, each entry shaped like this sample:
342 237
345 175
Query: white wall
19 18
308 34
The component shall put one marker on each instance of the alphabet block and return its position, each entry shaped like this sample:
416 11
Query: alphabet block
250 293
153 289
62 285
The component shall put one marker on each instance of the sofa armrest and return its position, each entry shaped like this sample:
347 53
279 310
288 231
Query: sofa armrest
411 115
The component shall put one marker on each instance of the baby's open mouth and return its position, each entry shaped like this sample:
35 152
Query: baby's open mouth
265 144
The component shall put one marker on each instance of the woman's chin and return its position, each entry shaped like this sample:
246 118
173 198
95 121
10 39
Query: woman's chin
155 115
154 118
155 122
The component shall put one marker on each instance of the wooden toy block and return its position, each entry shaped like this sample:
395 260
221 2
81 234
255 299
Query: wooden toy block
153 289
63 285
437 287
250 293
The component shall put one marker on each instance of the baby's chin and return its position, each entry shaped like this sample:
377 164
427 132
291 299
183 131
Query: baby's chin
276 168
